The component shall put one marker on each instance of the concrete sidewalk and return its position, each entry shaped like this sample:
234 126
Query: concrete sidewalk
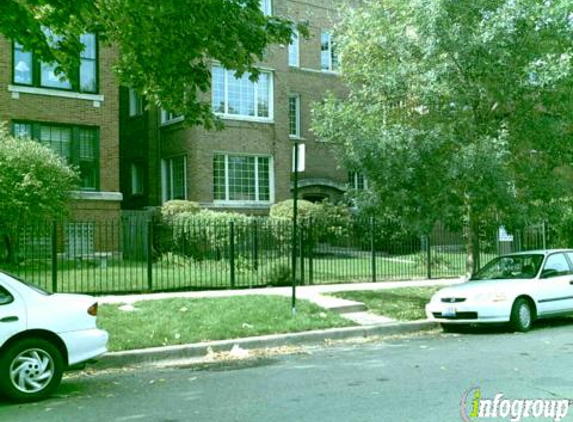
302 292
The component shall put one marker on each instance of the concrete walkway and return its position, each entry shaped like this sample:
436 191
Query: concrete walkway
318 294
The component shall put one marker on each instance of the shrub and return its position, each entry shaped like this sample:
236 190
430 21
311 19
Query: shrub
173 208
206 234
284 209
279 275
331 223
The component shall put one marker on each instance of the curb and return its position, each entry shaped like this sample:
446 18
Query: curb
157 354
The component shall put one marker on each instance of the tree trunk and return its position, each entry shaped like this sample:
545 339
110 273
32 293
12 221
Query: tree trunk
472 245
10 253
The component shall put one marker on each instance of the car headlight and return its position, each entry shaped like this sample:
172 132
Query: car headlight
491 297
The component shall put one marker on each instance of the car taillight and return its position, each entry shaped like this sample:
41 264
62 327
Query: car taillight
92 310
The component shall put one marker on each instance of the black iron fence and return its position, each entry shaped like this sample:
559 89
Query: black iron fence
135 254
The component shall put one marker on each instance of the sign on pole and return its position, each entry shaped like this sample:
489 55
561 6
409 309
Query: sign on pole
299 165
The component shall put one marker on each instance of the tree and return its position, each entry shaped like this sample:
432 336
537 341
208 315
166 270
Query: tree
166 46
35 186
459 112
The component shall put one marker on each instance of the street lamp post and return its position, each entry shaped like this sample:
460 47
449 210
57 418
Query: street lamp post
294 226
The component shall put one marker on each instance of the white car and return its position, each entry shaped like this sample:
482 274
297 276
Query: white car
41 336
517 289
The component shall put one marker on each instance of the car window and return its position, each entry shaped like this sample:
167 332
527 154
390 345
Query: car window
32 286
5 296
555 266
510 267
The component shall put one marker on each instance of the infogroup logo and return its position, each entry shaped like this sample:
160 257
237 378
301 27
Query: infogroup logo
474 407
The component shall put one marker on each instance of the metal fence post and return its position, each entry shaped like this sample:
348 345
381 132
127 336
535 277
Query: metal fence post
428 257
255 245
150 255
301 249
232 251
373 247
54 257
310 235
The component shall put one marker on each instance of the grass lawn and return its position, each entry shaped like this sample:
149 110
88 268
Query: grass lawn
179 321
403 304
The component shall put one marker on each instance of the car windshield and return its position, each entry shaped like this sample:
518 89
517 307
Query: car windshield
510 267
28 284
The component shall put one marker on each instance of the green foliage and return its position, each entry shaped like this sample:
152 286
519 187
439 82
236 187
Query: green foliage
438 261
458 111
207 234
279 275
173 208
285 209
167 46
35 185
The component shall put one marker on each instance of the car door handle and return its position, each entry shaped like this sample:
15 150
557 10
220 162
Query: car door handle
9 319
570 281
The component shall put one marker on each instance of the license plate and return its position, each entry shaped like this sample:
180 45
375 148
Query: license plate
449 312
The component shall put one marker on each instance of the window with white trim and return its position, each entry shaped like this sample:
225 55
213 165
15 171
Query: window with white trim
266 7
329 60
357 181
29 70
174 178
242 178
240 97
294 115
294 50
168 117
135 103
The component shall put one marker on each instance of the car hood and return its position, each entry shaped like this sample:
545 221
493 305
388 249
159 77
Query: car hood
475 287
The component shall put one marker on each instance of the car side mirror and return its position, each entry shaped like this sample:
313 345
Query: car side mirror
5 299
548 273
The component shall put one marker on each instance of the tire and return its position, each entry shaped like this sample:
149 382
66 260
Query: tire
521 315
30 370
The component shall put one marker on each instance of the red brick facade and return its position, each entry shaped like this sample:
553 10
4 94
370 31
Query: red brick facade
323 178
100 110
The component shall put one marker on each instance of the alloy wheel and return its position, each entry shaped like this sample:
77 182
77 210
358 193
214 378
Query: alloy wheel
32 370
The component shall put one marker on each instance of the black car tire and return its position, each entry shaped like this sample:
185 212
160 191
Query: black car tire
30 370
521 315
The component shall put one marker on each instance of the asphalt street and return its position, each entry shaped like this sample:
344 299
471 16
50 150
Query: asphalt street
416 378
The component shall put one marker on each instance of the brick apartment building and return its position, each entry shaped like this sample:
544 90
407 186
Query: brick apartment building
247 166
77 119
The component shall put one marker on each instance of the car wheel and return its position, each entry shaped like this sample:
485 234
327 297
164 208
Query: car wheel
521 315
31 370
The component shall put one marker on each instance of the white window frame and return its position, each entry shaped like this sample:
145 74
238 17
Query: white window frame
168 118
226 115
266 7
228 201
330 68
355 176
294 50
167 171
296 97
135 103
